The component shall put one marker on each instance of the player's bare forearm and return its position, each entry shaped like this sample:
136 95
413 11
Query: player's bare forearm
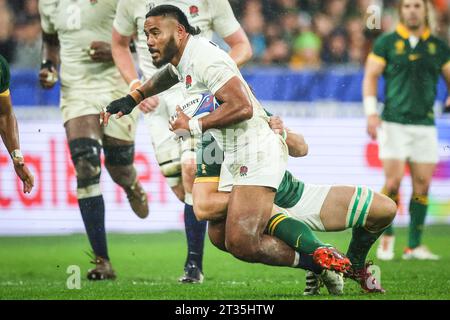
240 47
8 125
209 203
50 48
160 82
236 106
372 73
297 145
122 56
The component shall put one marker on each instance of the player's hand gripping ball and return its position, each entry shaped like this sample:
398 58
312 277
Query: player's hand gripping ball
196 106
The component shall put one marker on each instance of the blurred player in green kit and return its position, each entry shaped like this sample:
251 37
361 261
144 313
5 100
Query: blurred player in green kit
411 60
9 130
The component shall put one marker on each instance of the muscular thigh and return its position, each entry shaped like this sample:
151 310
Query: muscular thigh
249 209
333 213
393 169
87 126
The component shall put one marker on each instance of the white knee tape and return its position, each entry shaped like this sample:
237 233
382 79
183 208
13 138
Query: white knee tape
188 199
359 207
89 191
187 156
173 181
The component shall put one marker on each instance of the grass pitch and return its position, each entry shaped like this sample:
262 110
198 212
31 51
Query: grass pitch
149 265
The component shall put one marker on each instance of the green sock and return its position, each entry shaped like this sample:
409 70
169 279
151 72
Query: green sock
418 210
294 233
360 244
389 231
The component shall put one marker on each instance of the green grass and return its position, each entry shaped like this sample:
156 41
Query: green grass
148 267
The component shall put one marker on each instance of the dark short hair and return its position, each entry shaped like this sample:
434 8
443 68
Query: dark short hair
176 13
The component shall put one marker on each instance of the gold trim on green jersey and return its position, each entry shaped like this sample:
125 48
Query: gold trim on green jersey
206 179
403 31
5 93
377 58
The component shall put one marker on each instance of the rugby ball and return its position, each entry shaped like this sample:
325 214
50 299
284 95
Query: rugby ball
199 105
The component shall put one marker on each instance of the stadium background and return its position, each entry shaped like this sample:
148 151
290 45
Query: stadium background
307 67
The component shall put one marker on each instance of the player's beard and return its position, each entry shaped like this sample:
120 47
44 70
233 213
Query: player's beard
169 51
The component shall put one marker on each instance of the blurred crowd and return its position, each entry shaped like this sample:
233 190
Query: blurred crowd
316 33
296 33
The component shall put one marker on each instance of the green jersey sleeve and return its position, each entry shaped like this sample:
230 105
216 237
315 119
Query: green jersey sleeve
444 54
380 49
4 75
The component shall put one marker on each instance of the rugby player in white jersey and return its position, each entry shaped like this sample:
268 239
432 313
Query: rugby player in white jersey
256 161
176 159
77 36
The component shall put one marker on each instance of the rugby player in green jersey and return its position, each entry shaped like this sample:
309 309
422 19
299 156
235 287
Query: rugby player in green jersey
9 129
411 60
309 207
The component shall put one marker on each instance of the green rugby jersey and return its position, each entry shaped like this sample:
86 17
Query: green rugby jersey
4 76
411 75
209 163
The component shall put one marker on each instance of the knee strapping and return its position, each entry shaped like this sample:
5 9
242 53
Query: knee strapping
119 155
85 154
359 207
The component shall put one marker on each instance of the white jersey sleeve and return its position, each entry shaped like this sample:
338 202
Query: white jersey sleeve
124 21
46 8
224 23
215 71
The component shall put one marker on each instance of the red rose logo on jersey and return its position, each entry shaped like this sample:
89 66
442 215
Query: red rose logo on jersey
188 81
243 171
193 11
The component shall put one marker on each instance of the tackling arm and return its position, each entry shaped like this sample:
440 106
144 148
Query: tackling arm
209 203
297 145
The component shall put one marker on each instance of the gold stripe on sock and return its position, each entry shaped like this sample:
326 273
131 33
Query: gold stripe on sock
275 222
422 199
393 196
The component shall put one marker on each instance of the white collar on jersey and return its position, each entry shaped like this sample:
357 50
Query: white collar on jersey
186 56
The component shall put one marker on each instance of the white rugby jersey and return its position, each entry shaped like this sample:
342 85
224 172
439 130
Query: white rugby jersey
208 15
78 23
204 67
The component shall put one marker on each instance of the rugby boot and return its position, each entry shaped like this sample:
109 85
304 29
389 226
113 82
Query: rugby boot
138 199
103 270
331 259
366 279
192 274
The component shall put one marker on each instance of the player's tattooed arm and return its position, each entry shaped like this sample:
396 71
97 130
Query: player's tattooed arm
50 60
160 82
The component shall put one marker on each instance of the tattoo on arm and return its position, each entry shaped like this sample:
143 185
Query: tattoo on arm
160 82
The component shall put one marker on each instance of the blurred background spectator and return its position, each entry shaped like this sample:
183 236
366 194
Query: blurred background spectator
300 34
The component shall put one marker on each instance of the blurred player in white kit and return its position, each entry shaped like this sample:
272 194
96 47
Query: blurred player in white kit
176 159
77 36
